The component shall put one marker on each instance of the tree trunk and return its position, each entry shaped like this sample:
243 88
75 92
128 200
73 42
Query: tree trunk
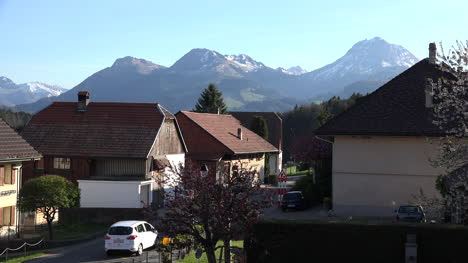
49 226
227 251
210 255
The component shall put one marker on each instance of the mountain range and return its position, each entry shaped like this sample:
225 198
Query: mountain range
246 84
12 94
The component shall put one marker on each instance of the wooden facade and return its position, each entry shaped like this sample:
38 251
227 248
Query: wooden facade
167 142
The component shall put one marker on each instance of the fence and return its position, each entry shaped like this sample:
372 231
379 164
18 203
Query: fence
25 245
22 232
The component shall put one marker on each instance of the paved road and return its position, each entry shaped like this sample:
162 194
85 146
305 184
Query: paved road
92 251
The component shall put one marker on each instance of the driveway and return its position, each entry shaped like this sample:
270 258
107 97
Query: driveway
92 251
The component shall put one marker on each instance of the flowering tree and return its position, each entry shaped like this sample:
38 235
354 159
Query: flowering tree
212 210
451 116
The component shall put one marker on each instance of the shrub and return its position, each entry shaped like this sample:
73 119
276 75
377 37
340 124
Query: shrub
295 241
271 179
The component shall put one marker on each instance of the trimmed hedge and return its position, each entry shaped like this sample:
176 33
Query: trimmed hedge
292 241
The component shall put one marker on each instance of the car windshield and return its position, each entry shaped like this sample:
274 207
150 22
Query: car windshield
409 210
292 196
120 230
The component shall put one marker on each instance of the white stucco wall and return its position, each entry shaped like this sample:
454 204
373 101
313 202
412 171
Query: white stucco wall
177 162
275 163
372 175
111 194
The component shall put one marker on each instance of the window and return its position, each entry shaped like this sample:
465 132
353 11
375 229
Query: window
148 227
39 164
140 228
62 163
7 176
8 215
2 175
120 230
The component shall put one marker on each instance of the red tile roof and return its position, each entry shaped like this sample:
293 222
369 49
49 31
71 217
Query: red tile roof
274 123
395 109
217 133
105 129
13 146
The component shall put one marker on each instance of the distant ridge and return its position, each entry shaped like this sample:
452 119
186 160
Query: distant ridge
247 84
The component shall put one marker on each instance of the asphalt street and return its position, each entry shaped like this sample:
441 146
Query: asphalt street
93 251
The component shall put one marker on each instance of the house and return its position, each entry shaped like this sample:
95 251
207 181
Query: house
219 143
116 152
382 145
14 150
275 134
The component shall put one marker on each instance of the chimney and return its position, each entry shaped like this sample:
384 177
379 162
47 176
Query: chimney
432 53
239 133
83 100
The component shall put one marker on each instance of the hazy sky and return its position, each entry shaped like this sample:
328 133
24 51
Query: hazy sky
63 42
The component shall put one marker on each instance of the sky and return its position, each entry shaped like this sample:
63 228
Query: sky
64 42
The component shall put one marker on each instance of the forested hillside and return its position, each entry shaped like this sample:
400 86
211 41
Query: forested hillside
17 120
304 119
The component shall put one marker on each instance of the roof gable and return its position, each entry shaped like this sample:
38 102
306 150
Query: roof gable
395 109
223 128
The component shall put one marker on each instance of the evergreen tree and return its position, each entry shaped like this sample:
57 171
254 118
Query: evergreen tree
211 101
259 126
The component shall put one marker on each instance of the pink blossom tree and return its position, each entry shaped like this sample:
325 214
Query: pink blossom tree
451 116
211 209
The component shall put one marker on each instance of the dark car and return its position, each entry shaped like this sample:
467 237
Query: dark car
293 200
410 213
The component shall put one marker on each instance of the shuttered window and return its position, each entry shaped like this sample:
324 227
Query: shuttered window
2 175
7 216
7 176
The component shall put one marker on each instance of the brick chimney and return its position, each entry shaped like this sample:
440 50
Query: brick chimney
432 53
83 100
239 133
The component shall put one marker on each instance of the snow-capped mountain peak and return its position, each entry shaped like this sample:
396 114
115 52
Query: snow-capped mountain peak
6 83
42 88
367 57
245 62
13 94
296 70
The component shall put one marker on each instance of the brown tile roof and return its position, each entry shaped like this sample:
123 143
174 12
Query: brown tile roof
217 133
395 109
105 129
274 122
13 146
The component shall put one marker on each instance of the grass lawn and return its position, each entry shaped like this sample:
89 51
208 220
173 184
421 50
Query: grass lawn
292 171
301 172
74 231
19 259
190 258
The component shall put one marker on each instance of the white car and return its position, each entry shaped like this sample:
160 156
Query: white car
134 236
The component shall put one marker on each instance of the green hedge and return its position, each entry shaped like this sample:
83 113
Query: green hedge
292 241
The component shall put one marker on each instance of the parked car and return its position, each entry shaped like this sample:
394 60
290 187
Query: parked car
133 236
410 213
294 200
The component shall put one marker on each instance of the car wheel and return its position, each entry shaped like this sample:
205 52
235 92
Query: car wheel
140 250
